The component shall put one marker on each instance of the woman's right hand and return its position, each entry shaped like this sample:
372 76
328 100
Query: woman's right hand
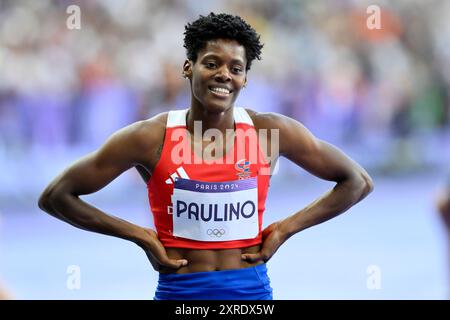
157 254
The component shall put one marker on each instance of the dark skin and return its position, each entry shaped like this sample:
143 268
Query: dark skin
221 63
443 206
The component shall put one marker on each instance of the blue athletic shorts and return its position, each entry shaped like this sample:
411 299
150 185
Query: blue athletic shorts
238 284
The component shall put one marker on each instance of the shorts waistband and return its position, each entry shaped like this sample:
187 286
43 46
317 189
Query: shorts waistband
260 268
250 283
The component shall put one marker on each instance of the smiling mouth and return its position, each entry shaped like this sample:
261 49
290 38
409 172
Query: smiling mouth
220 92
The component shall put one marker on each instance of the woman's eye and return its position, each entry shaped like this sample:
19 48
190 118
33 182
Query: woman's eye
210 65
237 70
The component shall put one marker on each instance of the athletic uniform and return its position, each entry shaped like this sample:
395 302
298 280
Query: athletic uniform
216 205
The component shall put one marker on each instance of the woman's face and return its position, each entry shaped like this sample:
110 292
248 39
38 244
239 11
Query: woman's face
218 75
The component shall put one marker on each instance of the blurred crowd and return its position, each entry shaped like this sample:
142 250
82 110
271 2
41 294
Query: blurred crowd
383 94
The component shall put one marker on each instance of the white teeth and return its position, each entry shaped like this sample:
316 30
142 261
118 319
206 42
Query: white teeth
220 90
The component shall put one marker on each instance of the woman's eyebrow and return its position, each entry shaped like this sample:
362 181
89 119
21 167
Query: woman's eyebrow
212 55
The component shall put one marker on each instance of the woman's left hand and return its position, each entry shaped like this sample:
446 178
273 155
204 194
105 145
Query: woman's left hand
272 237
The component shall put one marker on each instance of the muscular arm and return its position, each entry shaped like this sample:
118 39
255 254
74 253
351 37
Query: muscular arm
320 159
324 161
134 145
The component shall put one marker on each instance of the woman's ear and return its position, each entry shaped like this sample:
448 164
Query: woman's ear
187 69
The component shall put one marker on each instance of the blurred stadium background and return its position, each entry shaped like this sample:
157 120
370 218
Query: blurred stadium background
380 95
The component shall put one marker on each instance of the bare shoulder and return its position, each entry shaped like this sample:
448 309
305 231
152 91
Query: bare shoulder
269 120
149 135
151 130
139 141
293 136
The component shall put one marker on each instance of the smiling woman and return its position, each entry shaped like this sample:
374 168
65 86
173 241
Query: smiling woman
209 242
219 74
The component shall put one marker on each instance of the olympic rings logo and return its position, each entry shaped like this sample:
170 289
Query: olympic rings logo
215 232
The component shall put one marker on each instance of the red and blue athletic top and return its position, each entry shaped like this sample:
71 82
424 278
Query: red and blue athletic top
215 205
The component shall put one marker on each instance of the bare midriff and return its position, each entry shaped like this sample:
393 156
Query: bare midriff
211 260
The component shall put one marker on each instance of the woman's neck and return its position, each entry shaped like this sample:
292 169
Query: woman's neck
221 121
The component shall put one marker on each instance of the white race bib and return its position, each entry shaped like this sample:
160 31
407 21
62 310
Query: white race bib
215 211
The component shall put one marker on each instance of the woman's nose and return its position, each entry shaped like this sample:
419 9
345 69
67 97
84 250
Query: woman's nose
223 74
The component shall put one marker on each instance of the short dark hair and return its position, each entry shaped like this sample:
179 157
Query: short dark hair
221 26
